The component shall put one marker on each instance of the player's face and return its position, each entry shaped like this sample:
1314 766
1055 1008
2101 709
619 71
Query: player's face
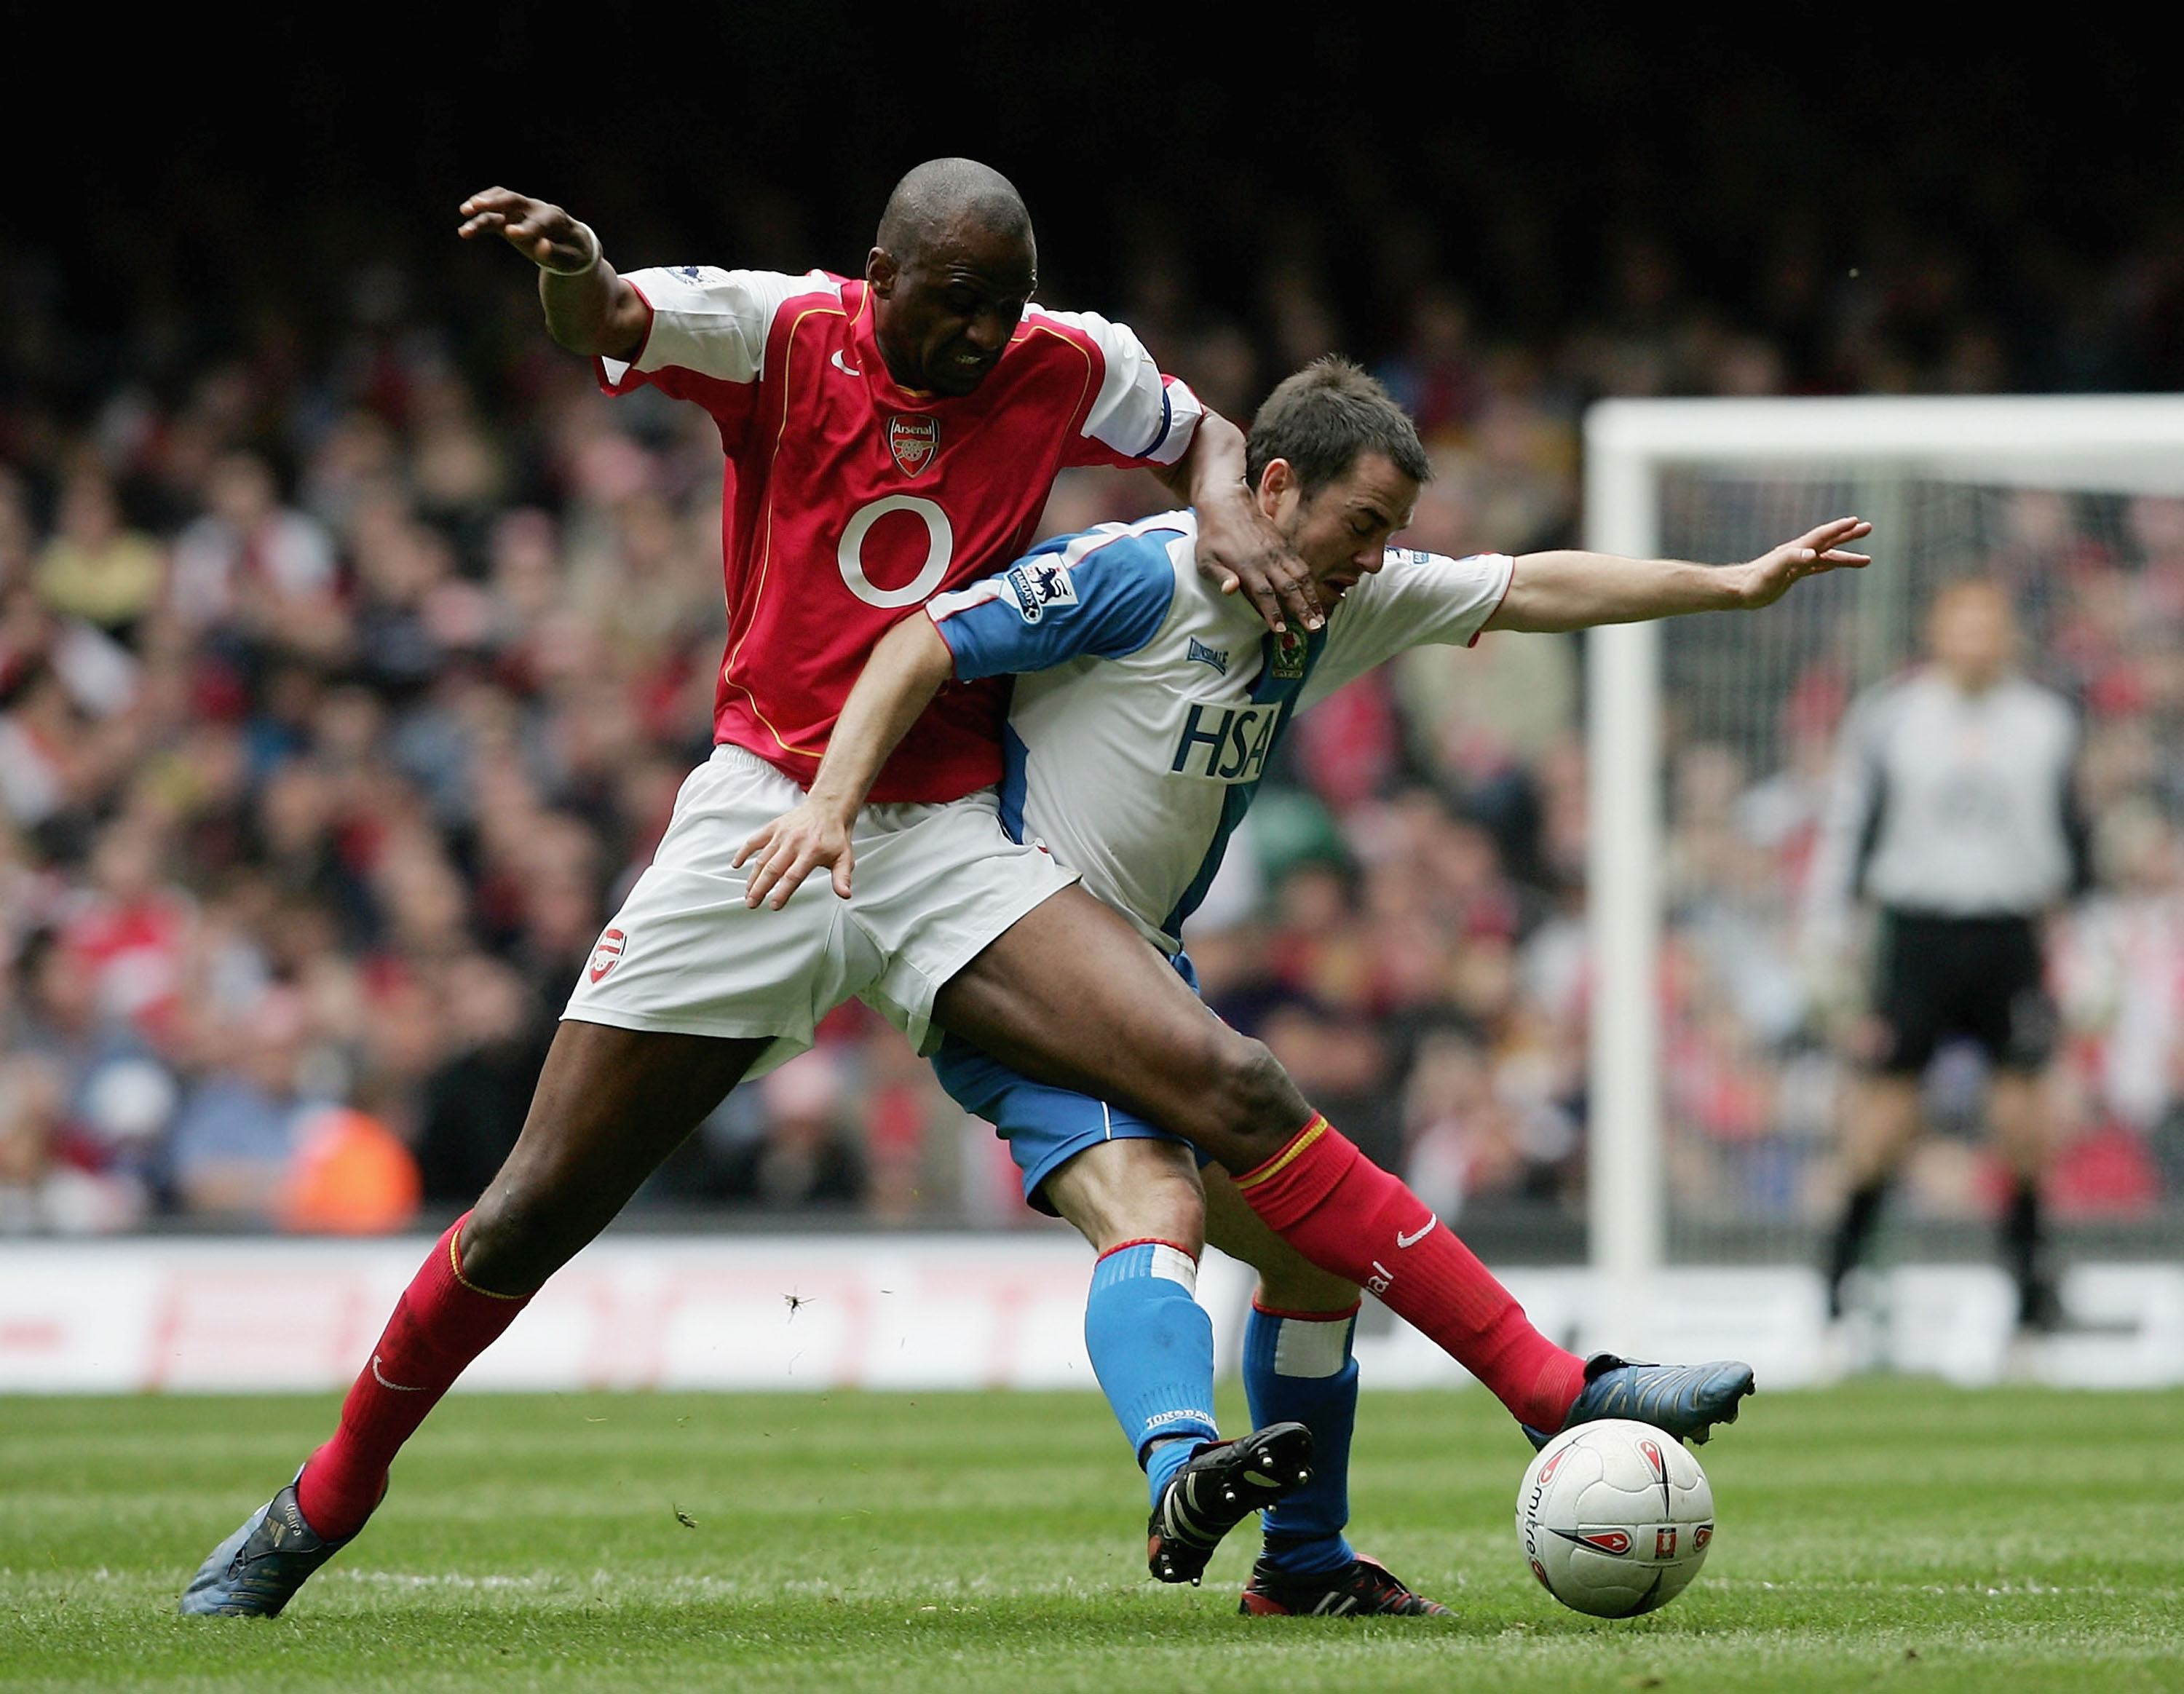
942 317
1972 635
1341 532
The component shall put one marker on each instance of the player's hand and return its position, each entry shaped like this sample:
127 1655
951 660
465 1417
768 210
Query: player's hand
1816 551
549 238
791 848
1239 547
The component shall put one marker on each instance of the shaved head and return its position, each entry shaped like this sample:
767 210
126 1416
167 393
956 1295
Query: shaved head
944 196
953 270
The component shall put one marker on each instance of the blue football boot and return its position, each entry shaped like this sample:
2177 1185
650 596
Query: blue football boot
1687 1401
257 1570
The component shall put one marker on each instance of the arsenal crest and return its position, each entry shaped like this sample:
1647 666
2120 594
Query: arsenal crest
607 952
913 437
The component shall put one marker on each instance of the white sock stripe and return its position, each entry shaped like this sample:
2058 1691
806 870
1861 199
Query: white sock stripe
1159 1259
1176 1265
1306 1346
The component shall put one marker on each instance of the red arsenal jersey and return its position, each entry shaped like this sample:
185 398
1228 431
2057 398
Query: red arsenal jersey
851 502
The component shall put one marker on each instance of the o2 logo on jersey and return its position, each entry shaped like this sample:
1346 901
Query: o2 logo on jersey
609 952
939 551
913 437
1228 743
1038 583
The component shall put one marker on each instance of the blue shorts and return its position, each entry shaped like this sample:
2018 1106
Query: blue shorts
1045 1127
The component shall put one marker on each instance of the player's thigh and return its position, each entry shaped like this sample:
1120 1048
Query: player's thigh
685 955
1137 1189
2009 1009
1915 995
1045 1127
935 885
1287 1281
610 1105
1071 994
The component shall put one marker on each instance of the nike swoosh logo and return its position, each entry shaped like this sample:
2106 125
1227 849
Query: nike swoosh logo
845 369
399 1387
1423 1230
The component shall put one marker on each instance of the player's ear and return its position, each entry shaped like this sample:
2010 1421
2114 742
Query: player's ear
880 271
1277 479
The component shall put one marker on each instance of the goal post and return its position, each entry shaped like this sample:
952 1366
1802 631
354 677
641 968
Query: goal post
1665 475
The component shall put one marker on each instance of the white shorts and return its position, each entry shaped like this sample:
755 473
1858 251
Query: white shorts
933 886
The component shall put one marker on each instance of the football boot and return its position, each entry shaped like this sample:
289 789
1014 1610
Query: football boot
1686 1400
1364 1588
257 1570
1222 1483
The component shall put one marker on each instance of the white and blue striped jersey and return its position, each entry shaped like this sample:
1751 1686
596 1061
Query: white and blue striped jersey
1147 703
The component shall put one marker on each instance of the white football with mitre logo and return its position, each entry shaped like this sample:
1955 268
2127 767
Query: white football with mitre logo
1614 1517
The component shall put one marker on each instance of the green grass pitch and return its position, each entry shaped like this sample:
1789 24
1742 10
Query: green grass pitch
1885 1535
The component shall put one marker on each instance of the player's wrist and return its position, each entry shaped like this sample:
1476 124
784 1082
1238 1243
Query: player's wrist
828 804
590 240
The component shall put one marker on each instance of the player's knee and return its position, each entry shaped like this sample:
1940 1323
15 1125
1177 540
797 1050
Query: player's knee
1132 1189
1253 1103
1177 1215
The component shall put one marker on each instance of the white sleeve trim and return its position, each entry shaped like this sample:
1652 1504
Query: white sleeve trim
714 322
942 607
1140 413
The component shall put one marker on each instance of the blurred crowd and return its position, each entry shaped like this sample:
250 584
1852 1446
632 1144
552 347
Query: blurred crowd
346 678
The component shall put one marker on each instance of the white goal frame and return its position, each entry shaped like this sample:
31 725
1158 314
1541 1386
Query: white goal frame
2131 444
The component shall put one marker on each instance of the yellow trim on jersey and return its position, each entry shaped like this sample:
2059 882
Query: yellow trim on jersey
765 554
765 549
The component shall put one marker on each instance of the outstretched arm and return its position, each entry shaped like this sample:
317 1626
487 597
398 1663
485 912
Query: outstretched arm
589 309
900 679
1238 544
1552 592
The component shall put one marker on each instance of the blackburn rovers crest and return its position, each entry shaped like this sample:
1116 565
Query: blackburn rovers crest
913 437
1290 651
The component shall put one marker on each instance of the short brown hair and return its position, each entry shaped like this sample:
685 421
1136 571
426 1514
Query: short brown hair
1323 417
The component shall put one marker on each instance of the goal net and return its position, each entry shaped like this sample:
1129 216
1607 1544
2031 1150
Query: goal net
1720 1017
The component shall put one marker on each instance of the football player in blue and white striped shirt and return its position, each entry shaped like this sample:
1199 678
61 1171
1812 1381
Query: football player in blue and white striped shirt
1146 706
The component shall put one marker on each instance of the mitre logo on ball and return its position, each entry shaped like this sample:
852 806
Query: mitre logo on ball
913 437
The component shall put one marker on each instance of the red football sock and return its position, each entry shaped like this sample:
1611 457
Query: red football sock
1347 1214
440 1324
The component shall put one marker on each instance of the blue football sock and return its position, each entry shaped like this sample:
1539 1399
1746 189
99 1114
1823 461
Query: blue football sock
1152 1347
1300 1370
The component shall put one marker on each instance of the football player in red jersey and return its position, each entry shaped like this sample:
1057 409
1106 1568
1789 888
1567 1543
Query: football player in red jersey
889 437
